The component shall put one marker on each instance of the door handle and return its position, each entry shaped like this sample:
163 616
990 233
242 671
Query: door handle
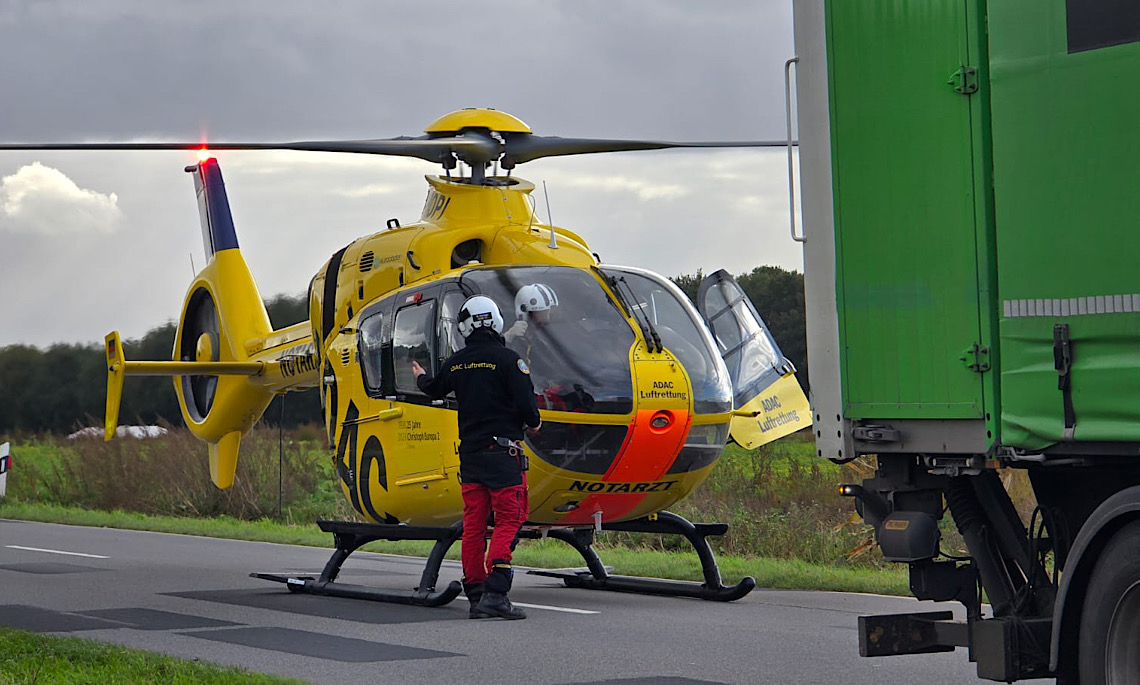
791 172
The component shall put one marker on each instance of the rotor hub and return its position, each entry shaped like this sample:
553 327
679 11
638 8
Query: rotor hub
477 117
206 348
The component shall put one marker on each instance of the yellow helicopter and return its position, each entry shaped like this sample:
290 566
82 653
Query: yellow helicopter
639 392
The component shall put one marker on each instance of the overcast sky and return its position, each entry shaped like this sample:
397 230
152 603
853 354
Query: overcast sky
93 241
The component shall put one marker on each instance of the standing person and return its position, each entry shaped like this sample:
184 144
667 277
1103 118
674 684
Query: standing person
496 400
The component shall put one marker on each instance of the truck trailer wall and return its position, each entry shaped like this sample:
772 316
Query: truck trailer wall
983 230
1066 145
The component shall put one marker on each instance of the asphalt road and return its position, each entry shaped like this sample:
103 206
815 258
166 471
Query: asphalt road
193 598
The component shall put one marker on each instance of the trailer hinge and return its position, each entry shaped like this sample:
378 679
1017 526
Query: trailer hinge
965 80
976 358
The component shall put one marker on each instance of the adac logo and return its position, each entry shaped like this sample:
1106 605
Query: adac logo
523 367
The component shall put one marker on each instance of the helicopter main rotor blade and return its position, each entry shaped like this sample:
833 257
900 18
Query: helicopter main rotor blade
527 147
476 148
473 149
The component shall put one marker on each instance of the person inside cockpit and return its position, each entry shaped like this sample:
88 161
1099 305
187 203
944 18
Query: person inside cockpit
533 307
542 342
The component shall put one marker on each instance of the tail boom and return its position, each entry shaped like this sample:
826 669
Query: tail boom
228 362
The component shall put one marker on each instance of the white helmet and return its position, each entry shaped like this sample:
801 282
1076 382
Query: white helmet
536 297
479 311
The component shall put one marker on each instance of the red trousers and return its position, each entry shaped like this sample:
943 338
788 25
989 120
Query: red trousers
511 509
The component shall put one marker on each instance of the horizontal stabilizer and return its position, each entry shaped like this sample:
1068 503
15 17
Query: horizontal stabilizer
118 368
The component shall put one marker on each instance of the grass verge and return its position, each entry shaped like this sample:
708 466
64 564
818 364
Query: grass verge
678 565
47 660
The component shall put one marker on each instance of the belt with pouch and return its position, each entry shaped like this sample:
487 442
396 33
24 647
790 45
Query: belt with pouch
515 449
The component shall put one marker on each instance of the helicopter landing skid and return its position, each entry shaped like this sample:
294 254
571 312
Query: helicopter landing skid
350 536
597 577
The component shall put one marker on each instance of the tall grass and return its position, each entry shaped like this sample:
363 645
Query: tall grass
781 502
291 479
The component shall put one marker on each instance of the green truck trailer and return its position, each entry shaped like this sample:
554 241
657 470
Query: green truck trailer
971 230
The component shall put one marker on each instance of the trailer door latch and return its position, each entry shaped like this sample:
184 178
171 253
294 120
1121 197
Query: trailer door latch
1063 363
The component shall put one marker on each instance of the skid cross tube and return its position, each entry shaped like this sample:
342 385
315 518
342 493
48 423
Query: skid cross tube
597 578
350 536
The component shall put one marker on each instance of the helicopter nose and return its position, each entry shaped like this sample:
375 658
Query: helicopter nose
652 444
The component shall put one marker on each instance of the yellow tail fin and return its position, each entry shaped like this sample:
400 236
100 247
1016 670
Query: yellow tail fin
116 365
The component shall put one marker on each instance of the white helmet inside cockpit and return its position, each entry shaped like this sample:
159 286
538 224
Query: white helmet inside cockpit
536 297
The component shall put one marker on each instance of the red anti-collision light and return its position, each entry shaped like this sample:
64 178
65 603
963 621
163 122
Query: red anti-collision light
204 154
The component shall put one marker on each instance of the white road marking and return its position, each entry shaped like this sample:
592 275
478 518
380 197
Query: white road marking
57 551
565 610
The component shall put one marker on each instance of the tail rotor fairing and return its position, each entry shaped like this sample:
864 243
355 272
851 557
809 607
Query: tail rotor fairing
199 341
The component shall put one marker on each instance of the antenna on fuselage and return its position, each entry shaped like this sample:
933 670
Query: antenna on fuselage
553 244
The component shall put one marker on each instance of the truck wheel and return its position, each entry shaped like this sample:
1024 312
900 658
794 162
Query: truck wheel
1110 619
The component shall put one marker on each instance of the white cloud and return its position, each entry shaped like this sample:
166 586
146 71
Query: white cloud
40 199
370 190
643 189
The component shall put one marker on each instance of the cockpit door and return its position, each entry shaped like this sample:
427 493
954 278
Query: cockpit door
767 398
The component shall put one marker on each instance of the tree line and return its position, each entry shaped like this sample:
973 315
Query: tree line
63 388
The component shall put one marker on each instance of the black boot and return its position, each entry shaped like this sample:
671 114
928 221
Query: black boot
474 592
497 604
494 601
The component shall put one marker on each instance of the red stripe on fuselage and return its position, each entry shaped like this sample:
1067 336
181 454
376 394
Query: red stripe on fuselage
645 456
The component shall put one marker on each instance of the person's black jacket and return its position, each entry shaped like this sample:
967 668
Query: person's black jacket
493 387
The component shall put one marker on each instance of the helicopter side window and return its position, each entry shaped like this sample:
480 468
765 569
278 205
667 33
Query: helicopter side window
450 341
371 344
412 340
746 348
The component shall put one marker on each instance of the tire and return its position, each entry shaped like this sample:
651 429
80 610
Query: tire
1110 618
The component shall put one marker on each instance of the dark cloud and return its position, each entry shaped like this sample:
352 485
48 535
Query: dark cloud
286 70
267 70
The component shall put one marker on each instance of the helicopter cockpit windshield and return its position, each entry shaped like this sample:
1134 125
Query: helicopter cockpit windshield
682 332
571 335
